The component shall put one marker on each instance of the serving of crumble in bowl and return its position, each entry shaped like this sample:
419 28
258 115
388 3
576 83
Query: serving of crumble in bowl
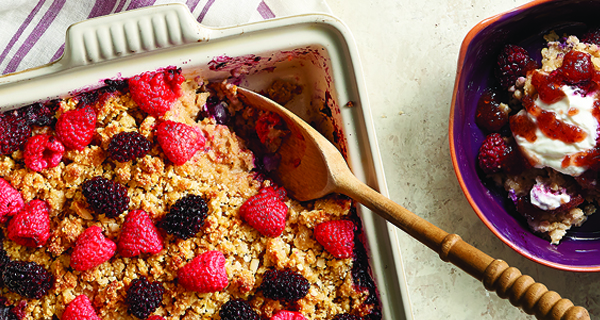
524 128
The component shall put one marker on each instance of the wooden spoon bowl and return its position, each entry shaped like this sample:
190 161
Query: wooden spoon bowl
311 167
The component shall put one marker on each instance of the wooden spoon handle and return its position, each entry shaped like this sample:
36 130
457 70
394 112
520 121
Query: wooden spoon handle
508 282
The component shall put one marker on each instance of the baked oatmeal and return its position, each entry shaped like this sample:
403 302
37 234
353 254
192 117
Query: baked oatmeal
543 131
151 198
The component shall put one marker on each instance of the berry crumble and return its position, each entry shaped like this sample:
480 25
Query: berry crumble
150 198
542 123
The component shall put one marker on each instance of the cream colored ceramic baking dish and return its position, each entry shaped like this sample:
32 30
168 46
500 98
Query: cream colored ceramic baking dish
316 51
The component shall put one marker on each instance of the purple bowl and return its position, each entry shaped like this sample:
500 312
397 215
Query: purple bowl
580 248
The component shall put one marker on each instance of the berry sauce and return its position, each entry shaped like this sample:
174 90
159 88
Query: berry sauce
578 71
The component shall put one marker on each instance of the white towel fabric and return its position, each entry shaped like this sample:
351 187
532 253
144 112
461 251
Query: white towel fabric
32 32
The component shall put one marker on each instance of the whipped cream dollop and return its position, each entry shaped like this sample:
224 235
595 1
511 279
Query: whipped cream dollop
573 110
545 198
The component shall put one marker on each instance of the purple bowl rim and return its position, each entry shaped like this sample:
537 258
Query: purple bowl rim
461 58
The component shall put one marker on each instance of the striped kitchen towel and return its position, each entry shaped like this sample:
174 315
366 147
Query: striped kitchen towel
32 32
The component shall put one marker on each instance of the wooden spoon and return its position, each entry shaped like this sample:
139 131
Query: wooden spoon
312 167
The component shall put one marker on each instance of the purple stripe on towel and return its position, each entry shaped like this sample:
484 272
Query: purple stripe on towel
35 35
120 6
192 4
19 32
205 10
101 8
58 53
265 11
139 4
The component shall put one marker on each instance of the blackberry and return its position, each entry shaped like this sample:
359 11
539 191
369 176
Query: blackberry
127 146
116 85
237 310
14 132
105 196
346 316
492 153
491 114
513 62
216 109
4 260
284 285
39 114
185 217
88 98
28 279
592 36
144 297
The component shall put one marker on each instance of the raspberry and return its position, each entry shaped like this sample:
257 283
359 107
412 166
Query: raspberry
31 226
265 212
155 92
105 196
205 273
346 316
127 146
185 217
284 285
270 129
91 249
288 315
14 132
39 114
75 128
513 62
28 279
80 308
179 141
237 310
577 67
144 297
138 235
19 309
492 153
11 200
548 88
592 36
43 151
491 114
265 125
337 237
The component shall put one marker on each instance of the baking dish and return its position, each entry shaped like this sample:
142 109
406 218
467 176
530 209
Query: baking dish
315 51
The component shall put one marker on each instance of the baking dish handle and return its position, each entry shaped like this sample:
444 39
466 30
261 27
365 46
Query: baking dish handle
131 32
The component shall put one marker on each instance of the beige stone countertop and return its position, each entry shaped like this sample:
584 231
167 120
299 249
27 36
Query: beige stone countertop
409 50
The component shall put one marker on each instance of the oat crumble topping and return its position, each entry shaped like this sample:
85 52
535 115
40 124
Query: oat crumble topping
222 173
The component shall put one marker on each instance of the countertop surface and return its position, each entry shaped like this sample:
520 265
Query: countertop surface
409 52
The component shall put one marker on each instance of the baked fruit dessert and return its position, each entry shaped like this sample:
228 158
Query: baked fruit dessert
151 198
542 126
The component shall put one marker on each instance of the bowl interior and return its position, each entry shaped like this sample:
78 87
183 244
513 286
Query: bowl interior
524 26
